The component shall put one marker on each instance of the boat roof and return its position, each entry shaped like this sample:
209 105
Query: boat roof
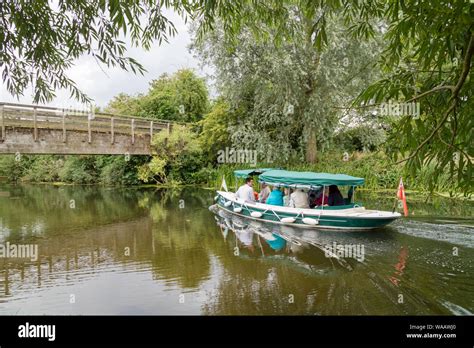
290 178
243 173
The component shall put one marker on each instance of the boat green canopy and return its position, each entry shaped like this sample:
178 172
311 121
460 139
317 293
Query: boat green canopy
243 173
289 178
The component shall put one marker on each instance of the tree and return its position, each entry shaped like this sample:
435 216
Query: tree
427 60
124 104
361 138
174 153
39 40
284 94
182 96
214 134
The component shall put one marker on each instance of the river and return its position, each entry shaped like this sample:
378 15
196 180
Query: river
148 251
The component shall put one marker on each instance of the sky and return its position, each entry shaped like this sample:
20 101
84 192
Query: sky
101 84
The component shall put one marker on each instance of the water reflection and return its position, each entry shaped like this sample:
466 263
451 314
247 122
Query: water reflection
400 266
293 240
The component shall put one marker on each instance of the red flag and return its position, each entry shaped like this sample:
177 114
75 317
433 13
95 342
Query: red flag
402 197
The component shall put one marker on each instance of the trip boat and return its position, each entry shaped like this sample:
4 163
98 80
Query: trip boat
351 216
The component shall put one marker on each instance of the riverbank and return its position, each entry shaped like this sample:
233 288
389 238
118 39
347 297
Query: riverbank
377 170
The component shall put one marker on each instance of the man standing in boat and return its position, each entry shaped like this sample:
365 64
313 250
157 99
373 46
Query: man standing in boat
245 191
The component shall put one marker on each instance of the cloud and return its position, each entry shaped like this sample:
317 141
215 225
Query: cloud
101 84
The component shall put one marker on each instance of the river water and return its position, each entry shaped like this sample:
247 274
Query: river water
156 251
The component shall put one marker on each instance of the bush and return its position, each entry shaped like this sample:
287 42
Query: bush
177 156
14 167
120 170
79 170
360 138
44 169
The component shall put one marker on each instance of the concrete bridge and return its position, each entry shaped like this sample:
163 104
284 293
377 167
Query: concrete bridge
34 129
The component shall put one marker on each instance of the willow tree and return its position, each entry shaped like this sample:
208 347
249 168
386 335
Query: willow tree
41 39
288 95
427 60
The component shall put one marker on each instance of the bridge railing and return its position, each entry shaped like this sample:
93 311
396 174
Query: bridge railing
44 117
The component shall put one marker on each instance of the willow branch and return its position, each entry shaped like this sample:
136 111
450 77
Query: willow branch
452 100
435 89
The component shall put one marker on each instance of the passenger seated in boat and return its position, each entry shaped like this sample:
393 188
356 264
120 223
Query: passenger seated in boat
335 196
299 198
286 197
323 197
314 194
245 191
275 197
264 193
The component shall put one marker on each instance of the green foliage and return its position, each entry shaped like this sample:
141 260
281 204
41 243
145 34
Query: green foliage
214 135
103 169
377 169
120 170
269 55
181 140
360 138
160 105
39 40
79 170
181 97
123 104
284 95
44 168
154 170
190 93
13 168
427 59
176 157
188 167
